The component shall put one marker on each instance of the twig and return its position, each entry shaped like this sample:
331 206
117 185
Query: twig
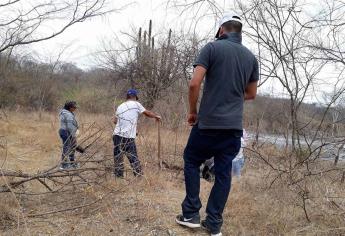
45 185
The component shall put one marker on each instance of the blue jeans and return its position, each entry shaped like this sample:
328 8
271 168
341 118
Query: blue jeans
125 146
69 145
202 145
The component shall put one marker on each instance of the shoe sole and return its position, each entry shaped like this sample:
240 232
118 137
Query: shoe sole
189 225
204 228
209 231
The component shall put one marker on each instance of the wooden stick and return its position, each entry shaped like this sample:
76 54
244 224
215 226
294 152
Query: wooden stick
159 145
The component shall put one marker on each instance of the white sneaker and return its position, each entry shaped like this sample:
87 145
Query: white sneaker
190 223
204 226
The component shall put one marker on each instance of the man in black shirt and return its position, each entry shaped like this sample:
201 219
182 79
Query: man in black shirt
231 74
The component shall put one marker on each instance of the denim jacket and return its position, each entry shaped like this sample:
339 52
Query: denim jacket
68 122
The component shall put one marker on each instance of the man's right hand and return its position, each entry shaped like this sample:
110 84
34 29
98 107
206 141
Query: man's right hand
158 118
192 118
114 119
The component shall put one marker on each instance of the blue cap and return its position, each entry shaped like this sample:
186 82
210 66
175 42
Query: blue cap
132 92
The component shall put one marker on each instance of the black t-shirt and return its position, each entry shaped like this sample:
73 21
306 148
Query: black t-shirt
230 67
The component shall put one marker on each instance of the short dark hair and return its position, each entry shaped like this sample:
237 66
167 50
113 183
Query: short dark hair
70 104
131 96
232 26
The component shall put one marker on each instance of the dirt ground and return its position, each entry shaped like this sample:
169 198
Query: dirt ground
134 206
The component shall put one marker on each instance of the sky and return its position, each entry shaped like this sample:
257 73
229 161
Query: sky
81 42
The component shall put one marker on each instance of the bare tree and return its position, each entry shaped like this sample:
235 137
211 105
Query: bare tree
293 52
155 66
26 22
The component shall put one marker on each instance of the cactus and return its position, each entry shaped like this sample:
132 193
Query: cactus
154 65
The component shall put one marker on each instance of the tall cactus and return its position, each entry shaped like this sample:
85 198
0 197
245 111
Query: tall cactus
154 65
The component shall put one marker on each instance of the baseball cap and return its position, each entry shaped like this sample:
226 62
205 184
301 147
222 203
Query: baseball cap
132 92
231 16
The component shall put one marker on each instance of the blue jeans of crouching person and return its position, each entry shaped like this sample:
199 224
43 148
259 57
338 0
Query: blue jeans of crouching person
125 146
69 145
223 145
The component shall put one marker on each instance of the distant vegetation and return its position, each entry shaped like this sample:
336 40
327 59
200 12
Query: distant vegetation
29 85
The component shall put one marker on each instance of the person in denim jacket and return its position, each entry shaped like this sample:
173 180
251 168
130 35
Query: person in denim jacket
68 131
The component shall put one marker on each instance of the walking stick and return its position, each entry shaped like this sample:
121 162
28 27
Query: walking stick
159 145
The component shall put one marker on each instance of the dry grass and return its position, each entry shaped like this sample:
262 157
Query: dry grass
145 206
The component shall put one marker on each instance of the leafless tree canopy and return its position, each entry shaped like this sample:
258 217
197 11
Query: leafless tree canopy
24 22
156 65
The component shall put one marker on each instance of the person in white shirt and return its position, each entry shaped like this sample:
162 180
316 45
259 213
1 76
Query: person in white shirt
238 162
126 119
207 168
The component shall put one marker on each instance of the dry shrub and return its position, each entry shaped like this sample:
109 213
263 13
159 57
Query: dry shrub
269 202
8 212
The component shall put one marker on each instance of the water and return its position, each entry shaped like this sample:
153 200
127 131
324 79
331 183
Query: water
329 151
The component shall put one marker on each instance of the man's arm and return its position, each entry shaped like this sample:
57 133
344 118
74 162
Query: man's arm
194 90
114 119
152 115
251 90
